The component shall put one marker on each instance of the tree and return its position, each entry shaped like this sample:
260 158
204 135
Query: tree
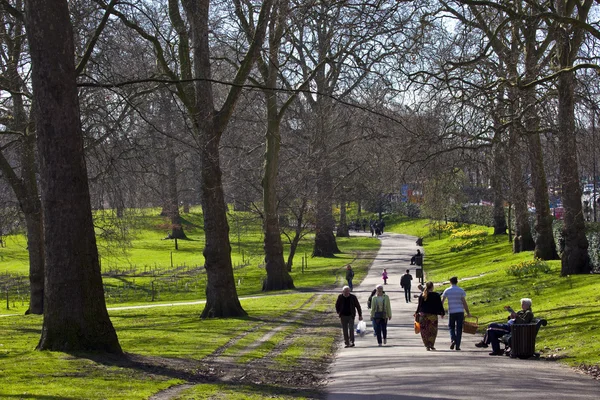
75 315
575 258
209 124
21 174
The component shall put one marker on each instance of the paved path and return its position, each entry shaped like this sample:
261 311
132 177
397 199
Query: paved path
404 370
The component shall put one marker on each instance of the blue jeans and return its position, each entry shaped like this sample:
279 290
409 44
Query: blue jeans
380 328
350 284
455 326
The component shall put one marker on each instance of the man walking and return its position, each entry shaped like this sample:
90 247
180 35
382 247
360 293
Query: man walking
346 307
349 276
405 284
457 306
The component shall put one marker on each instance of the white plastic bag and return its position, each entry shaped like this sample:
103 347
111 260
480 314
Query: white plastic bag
361 328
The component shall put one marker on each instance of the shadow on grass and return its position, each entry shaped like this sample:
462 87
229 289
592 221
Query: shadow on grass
35 396
195 372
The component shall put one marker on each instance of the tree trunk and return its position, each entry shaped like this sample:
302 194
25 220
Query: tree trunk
173 196
221 294
325 244
575 258
342 229
499 166
75 315
523 239
278 277
35 246
297 234
545 246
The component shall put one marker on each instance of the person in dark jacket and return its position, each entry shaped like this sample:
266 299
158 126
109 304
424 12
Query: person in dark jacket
405 283
495 331
349 276
430 306
347 306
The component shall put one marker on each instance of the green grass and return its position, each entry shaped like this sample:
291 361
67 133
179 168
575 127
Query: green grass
170 333
570 304
149 268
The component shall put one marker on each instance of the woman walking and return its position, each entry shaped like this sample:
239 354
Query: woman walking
381 313
430 306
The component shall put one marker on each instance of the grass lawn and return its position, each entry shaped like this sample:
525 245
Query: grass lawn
166 346
570 304
149 268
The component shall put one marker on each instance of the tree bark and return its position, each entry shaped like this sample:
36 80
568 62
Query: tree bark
545 246
342 229
173 195
325 244
75 315
278 277
523 238
575 257
496 183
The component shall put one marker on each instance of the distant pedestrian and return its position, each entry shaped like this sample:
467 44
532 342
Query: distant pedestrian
405 283
417 258
384 276
381 225
457 306
381 313
349 276
347 306
430 306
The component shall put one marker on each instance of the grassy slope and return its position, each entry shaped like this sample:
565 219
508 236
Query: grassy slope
570 304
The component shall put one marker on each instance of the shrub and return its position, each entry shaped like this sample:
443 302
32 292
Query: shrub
467 244
468 234
528 268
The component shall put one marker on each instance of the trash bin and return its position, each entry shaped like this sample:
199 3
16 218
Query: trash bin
522 341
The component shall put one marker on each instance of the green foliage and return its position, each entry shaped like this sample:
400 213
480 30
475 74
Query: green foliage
467 244
531 268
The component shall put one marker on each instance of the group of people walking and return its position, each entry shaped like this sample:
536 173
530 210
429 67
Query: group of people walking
430 307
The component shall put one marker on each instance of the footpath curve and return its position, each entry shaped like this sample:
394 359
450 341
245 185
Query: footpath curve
404 370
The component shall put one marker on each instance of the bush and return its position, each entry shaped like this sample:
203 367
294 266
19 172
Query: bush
467 244
468 234
528 268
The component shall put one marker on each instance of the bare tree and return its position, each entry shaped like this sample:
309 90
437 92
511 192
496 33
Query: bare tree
75 315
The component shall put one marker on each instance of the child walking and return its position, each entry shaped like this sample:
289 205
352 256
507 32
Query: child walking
384 275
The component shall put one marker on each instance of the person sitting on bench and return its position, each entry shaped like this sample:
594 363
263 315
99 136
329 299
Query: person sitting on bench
495 330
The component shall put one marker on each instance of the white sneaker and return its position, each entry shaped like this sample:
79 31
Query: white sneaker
384 341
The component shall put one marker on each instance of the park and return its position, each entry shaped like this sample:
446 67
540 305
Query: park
186 187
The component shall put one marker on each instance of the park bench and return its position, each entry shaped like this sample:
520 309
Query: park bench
520 342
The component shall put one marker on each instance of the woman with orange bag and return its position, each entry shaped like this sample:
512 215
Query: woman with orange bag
430 306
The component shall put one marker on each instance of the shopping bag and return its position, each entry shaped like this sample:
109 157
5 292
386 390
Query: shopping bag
361 328
417 328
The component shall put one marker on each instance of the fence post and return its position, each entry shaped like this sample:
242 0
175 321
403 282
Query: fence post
152 290
7 300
